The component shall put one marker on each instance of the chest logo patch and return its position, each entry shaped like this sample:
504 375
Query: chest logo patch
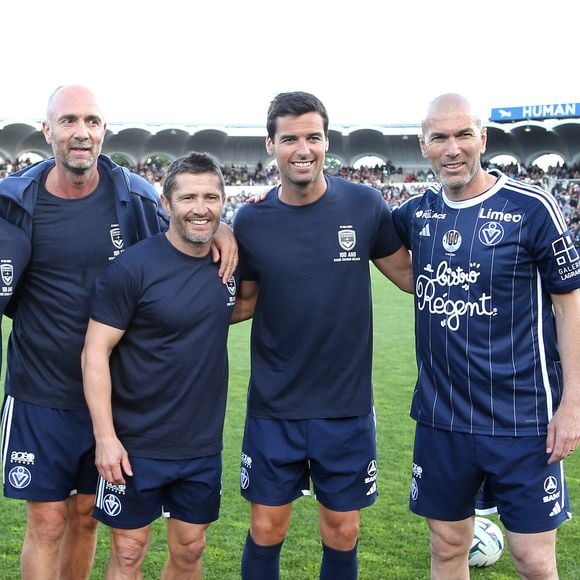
491 233
452 241
7 273
347 239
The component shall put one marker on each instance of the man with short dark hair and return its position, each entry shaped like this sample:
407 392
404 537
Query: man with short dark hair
305 252
155 378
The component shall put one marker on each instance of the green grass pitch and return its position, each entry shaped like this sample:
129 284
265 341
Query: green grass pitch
393 542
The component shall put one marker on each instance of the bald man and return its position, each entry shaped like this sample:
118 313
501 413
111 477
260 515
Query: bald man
80 210
497 310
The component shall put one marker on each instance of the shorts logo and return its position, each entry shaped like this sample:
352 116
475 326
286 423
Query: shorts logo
231 286
112 505
19 477
372 477
550 484
417 471
7 273
347 239
244 478
246 461
22 457
414 489
491 233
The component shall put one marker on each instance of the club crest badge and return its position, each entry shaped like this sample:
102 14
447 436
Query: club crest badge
116 237
347 239
7 273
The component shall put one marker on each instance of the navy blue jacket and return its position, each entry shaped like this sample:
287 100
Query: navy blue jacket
138 209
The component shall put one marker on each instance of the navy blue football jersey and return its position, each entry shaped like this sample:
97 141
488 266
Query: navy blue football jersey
484 270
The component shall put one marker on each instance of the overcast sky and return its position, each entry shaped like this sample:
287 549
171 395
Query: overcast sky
221 62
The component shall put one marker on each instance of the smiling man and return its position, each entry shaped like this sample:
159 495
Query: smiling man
497 310
155 378
305 252
80 211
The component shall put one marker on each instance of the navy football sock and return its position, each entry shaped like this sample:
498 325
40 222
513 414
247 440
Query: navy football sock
339 564
260 562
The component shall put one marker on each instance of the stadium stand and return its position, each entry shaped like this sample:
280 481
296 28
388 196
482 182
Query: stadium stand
396 186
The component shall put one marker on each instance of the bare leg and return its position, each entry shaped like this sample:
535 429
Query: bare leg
339 530
128 549
77 550
534 555
186 544
44 532
269 524
450 543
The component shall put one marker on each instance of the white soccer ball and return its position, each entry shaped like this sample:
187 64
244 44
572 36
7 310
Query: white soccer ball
487 544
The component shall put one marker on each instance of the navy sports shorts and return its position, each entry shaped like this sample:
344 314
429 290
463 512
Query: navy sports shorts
280 457
47 454
188 490
449 469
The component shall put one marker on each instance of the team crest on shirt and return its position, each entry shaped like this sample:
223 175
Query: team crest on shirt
7 272
347 239
117 241
491 233
347 243
232 289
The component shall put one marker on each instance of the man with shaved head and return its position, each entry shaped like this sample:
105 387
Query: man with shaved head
497 317
80 210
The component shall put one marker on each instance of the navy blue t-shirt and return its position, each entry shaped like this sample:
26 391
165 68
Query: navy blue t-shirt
14 256
486 337
312 328
169 371
73 241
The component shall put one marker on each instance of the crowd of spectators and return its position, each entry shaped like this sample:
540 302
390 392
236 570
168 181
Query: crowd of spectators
396 185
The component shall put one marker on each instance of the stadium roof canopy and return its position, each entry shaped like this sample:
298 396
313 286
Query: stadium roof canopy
524 140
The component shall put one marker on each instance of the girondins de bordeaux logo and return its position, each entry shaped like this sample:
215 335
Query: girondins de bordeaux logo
116 237
347 239
7 273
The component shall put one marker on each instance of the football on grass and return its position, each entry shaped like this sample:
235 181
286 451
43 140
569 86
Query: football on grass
487 545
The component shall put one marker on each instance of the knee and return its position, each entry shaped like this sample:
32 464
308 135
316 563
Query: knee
535 564
186 556
267 531
128 553
446 547
341 535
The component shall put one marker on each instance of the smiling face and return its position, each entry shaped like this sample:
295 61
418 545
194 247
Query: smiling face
75 129
453 140
194 208
299 146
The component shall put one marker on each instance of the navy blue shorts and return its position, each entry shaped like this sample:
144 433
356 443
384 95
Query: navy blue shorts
280 457
47 454
188 490
449 469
